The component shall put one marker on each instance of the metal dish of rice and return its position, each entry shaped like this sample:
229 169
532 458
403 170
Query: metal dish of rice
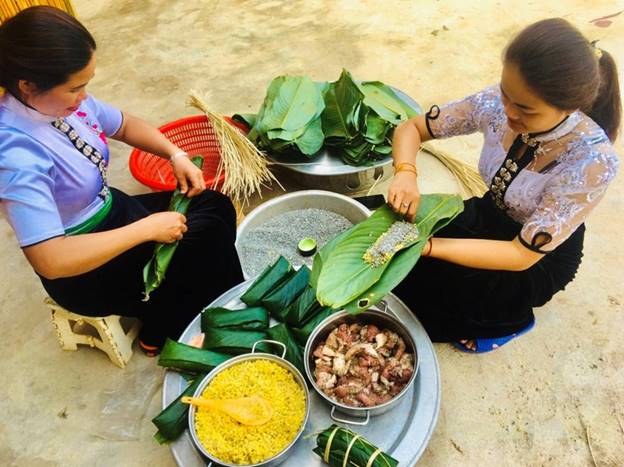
232 443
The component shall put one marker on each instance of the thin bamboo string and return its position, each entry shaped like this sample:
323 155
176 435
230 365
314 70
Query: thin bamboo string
468 177
246 168
9 8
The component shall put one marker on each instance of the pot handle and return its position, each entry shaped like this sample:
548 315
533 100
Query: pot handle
350 422
383 307
253 348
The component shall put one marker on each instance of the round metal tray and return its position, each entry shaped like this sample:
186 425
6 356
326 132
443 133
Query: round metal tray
323 163
403 432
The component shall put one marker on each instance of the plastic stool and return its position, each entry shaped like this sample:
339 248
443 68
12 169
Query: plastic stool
113 340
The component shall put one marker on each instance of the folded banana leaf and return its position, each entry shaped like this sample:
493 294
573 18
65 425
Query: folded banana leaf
349 448
173 420
289 118
294 352
287 292
155 269
246 318
187 358
268 280
234 341
302 334
302 309
346 280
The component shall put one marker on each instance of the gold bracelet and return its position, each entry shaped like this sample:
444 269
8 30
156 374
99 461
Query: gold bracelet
430 243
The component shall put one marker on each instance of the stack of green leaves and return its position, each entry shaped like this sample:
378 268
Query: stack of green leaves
359 119
289 118
355 120
344 280
340 446
154 271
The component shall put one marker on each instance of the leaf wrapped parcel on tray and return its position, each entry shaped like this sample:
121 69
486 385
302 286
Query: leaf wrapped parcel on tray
246 318
347 280
302 309
336 443
294 352
155 269
184 357
302 334
268 280
287 292
233 341
173 420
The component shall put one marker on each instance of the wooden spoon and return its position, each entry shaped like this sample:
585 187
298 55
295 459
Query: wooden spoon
251 411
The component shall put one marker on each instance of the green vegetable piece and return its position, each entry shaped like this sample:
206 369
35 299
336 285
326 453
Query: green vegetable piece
342 99
247 318
187 358
307 246
173 420
155 269
287 292
268 280
233 341
294 352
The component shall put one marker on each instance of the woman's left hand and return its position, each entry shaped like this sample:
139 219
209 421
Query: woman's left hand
190 177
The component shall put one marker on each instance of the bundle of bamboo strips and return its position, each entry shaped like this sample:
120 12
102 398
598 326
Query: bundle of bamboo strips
246 168
9 8
467 176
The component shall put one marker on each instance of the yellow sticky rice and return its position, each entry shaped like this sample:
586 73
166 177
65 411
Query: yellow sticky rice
233 443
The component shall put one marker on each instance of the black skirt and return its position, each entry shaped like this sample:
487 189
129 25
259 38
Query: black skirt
204 266
455 302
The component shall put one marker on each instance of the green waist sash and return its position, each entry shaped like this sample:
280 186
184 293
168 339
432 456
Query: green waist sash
93 221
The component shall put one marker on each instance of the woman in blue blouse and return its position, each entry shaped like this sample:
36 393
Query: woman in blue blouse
87 241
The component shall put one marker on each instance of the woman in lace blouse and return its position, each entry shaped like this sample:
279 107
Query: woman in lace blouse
547 159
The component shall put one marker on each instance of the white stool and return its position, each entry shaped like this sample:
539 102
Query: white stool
113 340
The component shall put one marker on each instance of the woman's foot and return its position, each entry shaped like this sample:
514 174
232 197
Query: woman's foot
485 344
149 350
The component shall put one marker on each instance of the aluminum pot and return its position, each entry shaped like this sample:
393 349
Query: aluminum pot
381 319
279 457
340 204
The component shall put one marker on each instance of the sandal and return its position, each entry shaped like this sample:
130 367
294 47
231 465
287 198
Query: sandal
149 350
487 344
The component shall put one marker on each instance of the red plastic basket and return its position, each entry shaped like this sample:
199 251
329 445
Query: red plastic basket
197 137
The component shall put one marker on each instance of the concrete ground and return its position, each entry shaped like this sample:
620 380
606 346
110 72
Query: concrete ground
553 397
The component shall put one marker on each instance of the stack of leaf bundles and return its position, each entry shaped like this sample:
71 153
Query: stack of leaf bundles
354 120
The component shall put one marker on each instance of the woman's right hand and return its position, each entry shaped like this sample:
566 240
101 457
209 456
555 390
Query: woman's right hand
164 227
403 195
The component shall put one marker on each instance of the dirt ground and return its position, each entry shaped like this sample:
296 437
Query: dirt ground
553 397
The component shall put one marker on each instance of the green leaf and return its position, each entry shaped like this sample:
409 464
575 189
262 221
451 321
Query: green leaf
188 358
293 101
294 352
302 309
268 280
233 341
382 99
341 99
347 280
287 292
311 141
155 269
302 334
246 318
248 120
173 420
